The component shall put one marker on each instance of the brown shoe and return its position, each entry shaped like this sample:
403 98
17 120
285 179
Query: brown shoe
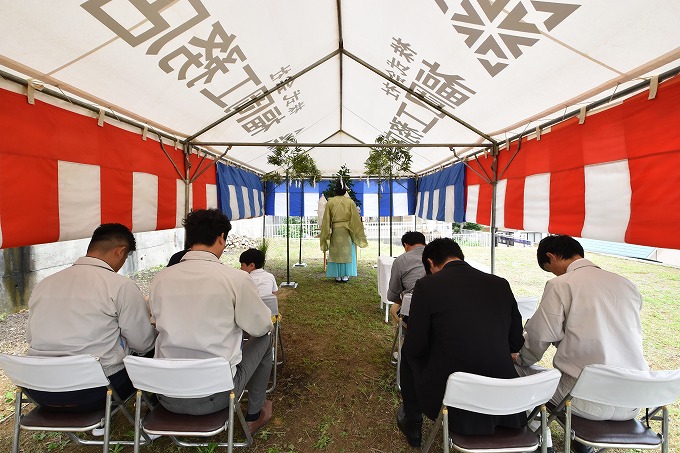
265 415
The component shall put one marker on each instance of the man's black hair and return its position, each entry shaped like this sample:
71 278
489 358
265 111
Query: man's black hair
560 245
413 238
440 250
340 189
204 226
110 235
254 256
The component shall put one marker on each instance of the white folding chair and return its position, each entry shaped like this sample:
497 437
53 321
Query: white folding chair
62 374
185 378
613 386
494 396
527 307
272 302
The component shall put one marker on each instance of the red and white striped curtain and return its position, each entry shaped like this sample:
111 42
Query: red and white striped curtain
615 177
61 175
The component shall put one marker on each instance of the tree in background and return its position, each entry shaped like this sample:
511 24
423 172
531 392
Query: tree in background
459 227
342 175
387 162
293 164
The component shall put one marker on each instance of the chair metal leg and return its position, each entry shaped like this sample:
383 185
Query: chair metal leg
279 341
18 395
544 429
433 432
275 358
664 430
400 337
567 427
231 422
138 419
107 420
445 422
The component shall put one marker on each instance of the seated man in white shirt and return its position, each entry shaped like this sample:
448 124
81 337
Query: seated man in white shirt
592 317
90 309
202 308
252 261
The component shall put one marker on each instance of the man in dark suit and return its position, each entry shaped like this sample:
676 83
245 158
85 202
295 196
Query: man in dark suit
461 319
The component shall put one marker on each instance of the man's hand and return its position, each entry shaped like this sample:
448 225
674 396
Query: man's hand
516 358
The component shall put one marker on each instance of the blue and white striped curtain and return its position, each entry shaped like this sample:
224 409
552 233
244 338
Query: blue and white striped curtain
441 195
304 198
239 192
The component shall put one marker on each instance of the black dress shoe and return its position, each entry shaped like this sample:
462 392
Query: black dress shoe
578 447
412 430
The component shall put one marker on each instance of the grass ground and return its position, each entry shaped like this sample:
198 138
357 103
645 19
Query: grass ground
336 390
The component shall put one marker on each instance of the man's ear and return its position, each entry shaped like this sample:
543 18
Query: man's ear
121 251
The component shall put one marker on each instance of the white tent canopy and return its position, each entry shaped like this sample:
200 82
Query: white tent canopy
182 65
456 80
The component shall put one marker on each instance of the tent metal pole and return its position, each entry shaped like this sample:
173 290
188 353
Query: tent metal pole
214 162
264 213
418 96
288 283
391 210
494 187
379 197
485 177
187 179
264 95
351 145
630 90
340 47
302 208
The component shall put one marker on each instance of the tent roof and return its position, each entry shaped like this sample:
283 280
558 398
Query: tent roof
359 69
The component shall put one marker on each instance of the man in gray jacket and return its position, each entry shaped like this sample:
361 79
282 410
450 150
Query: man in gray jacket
406 270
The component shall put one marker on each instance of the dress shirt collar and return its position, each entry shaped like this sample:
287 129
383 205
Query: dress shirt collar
200 255
455 263
258 271
579 263
92 261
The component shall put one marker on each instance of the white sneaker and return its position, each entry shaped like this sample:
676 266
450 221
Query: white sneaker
345 279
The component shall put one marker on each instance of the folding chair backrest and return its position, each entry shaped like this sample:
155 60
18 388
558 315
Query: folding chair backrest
180 378
272 302
527 306
627 388
406 304
494 396
54 374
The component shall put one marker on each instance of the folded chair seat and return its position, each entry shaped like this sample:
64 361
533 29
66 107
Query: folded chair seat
620 387
493 396
186 378
63 374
